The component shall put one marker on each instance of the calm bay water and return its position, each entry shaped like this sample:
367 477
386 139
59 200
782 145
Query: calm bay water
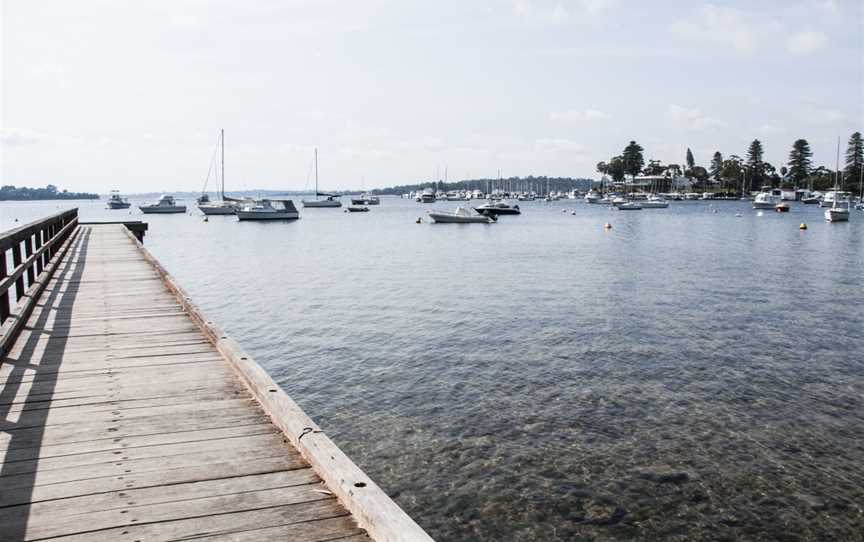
687 375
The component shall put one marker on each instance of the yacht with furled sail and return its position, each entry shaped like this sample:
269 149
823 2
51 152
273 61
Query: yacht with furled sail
117 202
839 210
268 209
225 205
330 200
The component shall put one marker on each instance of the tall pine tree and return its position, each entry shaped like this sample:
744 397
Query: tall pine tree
854 160
800 164
633 159
690 161
716 165
754 164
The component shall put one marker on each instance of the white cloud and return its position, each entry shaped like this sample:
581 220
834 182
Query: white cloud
720 25
692 118
19 138
574 115
559 11
559 145
806 42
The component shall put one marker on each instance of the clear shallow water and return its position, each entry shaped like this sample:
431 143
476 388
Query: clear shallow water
687 375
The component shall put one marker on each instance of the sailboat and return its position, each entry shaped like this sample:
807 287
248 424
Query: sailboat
225 206
837 213
332 200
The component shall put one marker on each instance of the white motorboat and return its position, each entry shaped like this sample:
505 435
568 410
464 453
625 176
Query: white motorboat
331 200
165 205
765 200
655 202
498 208
835 196
460 216
268 209
427 196
592 197
629 206
116 202
366 199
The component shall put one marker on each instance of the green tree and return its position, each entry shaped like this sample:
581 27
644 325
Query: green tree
716 166
800 164
603 167
754 164
691 163
616 169
854 160
633 159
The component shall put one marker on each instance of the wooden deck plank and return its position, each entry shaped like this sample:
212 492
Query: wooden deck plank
122 418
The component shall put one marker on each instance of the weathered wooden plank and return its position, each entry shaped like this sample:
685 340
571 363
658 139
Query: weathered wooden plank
211 525
46 511
329 530
155 478
122 443
271 442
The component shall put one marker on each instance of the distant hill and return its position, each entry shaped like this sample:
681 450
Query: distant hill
23 193
531 183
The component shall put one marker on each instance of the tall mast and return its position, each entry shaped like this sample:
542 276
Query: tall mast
222 138
316 172
836 176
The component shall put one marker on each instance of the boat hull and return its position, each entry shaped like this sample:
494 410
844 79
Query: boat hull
321 204
163 210
358 209
220 210
837 215
654 204
115 205
281 215
496 212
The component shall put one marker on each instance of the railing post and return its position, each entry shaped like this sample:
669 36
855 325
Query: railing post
38 242
4 296
16 261
28 251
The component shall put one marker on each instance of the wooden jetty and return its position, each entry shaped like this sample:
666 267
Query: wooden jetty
127 415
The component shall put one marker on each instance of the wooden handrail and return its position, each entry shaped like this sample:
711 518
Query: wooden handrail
43 244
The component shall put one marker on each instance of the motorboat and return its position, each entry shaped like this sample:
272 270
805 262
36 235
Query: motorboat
835 195
629 206
655 202
811 200
765 200
460 216
428 196
366 199
116 202
498 208
268 209
330 200
165 205
782 207
357 209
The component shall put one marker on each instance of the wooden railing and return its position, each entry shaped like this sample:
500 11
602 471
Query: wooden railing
33 250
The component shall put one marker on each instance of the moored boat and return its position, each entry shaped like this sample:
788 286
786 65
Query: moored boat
331 200
782 207
117 202
165 205
268 209
357 209
460 216
498 208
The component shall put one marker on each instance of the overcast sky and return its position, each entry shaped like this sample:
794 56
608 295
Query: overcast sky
131 95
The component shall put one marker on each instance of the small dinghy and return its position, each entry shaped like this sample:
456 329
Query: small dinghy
460 216
357 209
782 207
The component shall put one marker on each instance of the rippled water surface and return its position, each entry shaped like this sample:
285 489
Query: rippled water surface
686 375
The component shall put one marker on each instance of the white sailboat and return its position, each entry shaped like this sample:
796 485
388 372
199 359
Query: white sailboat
331 200
225 206
838 212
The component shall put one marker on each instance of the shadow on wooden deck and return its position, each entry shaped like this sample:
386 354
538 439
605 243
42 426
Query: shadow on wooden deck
24 435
